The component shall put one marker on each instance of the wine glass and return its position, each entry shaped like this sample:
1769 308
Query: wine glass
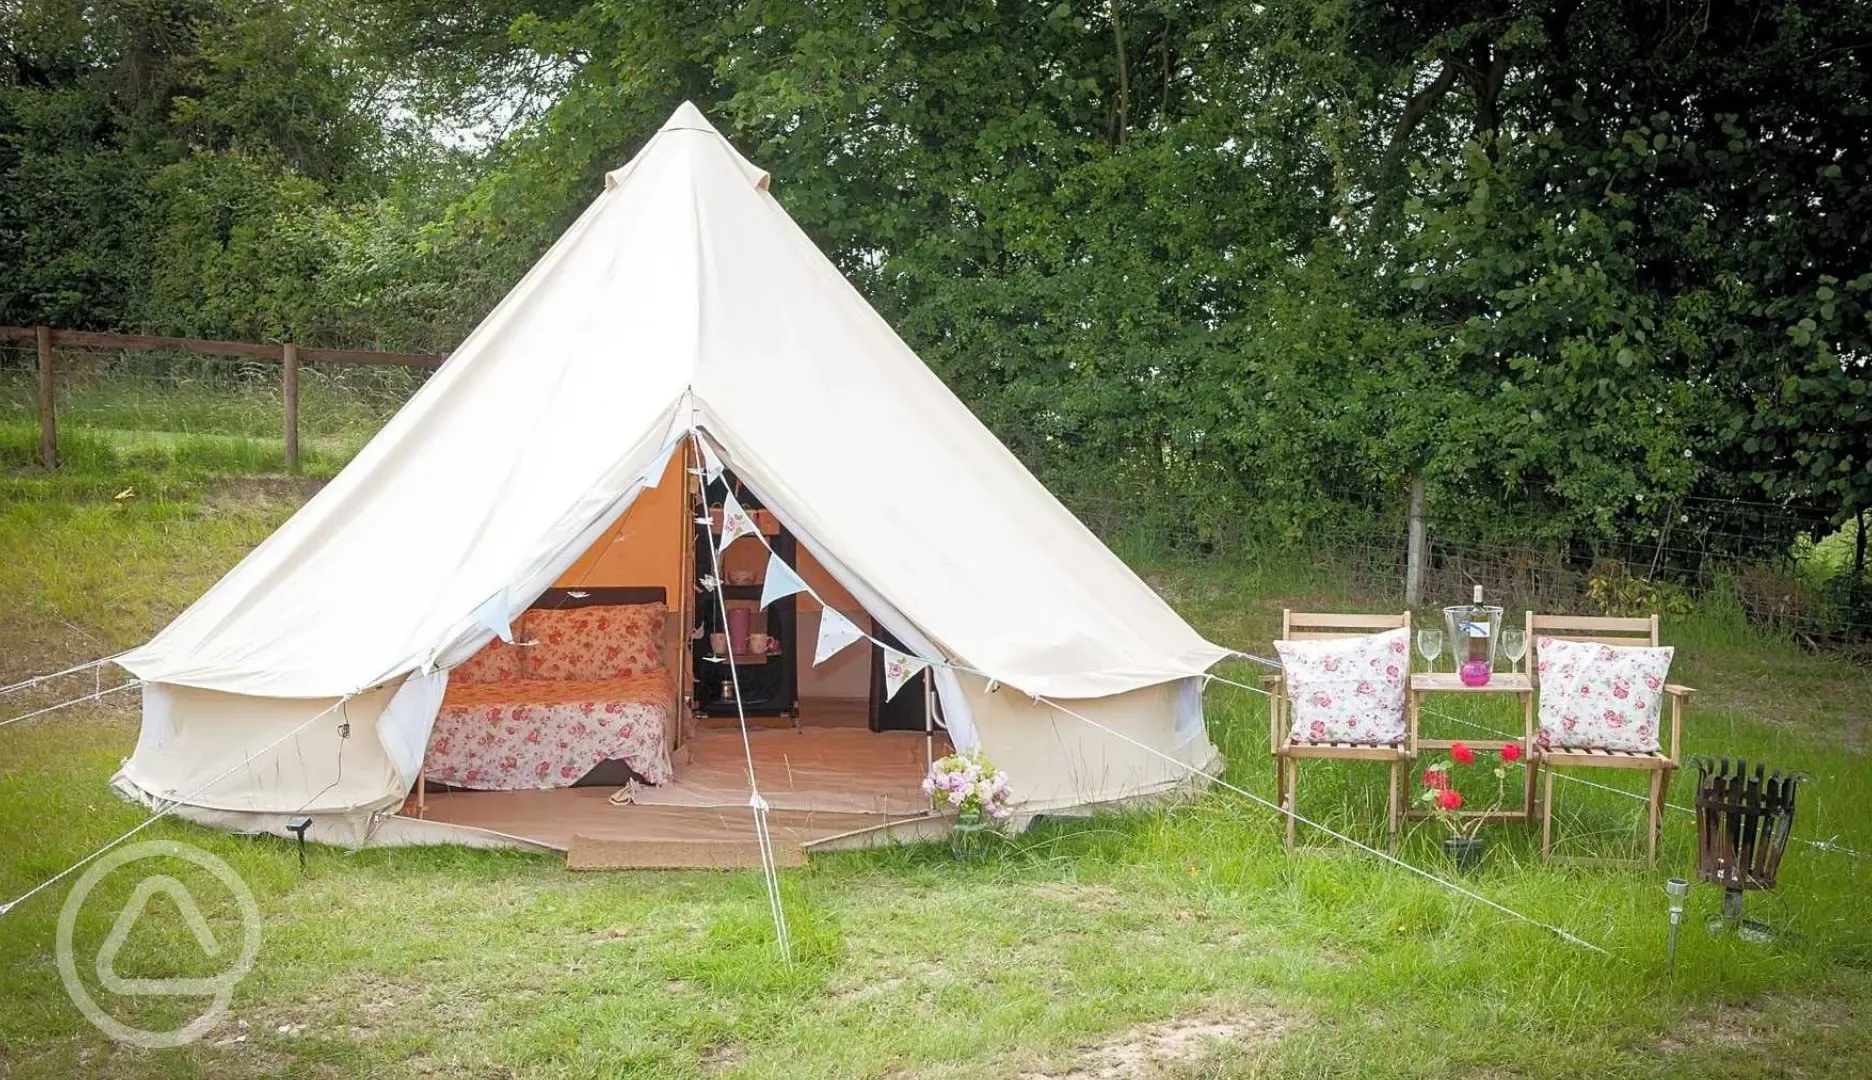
1430 646
1514 643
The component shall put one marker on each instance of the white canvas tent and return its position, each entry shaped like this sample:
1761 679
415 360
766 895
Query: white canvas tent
683 299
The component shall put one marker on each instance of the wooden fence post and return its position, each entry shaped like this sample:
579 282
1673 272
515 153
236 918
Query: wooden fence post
1414 544
48 419
289 392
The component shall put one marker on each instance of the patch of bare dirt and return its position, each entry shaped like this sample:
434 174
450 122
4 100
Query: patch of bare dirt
1154 1050
1729 1025
722 1057
1083 895
261 492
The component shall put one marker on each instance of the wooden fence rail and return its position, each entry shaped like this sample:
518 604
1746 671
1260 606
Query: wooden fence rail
289 356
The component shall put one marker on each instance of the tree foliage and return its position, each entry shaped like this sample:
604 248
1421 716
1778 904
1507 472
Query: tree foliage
1576 260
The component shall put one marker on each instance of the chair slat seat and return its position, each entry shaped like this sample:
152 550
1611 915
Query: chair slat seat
1346 751
1611 759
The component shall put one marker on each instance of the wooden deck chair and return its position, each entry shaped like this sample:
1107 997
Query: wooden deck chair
1660 764
1303 626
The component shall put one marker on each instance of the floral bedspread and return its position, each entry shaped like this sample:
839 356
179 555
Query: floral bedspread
546 733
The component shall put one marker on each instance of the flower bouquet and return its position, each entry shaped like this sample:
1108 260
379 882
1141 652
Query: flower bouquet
977 791
1446 802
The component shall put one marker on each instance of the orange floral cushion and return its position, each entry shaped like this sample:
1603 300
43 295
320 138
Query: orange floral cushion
595 643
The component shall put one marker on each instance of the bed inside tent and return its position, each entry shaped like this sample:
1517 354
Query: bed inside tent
611 728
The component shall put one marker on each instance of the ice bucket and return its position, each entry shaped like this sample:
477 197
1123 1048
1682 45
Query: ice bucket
1474 632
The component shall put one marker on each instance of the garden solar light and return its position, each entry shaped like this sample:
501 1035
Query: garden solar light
1677 889
298 826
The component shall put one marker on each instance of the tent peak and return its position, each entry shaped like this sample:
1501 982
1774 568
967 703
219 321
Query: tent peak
688 118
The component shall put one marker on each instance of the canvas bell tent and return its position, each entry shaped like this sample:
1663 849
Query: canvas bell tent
682 360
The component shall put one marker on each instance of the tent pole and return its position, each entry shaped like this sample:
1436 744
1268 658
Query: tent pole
929 728
685 566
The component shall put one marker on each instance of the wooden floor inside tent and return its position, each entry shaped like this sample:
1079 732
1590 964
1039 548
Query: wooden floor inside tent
828 787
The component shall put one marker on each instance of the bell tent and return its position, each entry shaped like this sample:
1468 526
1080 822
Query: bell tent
681 479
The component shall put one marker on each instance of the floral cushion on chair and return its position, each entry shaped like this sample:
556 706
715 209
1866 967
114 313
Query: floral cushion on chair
496 662
595 643
1601 697
1347 689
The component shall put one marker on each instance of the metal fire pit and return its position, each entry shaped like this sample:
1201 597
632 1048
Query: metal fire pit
1743 823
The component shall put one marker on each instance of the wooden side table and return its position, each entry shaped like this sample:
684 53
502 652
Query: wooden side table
1502 682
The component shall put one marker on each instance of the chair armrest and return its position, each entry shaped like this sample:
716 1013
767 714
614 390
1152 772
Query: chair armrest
1678 695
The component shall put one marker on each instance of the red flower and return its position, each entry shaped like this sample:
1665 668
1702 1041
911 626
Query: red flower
1436 779
1449 799
1511 752
1461 753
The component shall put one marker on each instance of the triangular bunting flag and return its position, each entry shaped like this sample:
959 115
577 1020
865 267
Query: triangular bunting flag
899 669
711 465
735 522
493 614
835 632
652 474
781 581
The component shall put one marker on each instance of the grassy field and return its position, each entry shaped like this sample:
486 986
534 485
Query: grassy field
1179 943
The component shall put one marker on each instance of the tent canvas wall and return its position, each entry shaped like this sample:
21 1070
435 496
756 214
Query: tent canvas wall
683 300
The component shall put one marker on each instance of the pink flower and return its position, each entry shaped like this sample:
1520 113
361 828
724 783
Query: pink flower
1322 699
1511 752
1449 799
1459 751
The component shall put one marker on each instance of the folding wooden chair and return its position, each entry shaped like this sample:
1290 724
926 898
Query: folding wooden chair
1288 753
1660 763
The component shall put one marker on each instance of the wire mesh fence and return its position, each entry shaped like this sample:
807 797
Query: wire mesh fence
1779 566
158 406
1786 569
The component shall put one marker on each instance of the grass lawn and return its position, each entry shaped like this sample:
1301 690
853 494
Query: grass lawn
1086 946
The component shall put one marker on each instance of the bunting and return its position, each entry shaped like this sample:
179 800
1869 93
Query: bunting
780 582
493 614
735 522
711 465
900 668
835 632
652 474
